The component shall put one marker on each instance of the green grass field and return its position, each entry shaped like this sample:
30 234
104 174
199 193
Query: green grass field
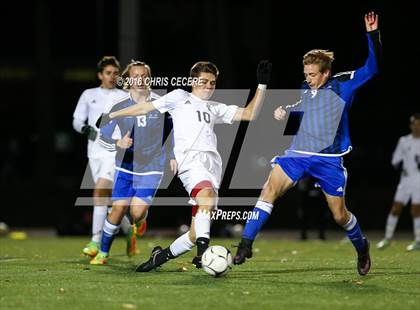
49 273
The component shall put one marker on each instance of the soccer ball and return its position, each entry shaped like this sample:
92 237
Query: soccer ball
216 261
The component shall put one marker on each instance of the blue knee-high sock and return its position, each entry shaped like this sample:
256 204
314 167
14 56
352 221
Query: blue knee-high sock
354 233
108 234
261 213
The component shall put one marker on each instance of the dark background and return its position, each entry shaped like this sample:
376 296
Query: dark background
49 54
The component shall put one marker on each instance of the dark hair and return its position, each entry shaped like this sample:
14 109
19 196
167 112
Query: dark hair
108 61
415 116
204 66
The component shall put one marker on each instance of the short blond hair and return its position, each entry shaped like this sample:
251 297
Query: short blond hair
323 58
126 73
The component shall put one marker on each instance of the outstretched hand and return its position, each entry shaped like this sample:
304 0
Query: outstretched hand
371 21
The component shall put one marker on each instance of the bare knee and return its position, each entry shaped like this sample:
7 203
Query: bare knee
101 196
117 213
397 209
341 217
206 199
192 236
277 184
138 213
338 209
270 191
415 210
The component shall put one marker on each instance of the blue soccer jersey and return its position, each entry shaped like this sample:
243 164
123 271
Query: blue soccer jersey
324 128
139 167
149 132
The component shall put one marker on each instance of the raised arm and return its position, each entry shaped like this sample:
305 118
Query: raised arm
371 66
371 21
134 110
252 109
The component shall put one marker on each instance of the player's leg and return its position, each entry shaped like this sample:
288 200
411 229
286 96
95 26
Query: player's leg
391 224
102 172
181 245
138 211
121 200
331 175
348 221
415 213
110 230
276 185
205 196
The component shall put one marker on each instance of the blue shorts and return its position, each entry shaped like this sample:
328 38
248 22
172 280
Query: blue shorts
127 185
328 172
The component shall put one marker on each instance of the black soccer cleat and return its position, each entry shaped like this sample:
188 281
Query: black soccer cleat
152 263
244 251
363 260
197 262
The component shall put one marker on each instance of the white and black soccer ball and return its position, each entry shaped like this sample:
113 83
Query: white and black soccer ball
216 261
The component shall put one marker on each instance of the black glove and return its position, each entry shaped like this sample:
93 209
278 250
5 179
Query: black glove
264 72
89 132
103 120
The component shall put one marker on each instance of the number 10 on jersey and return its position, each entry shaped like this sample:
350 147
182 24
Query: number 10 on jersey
203 116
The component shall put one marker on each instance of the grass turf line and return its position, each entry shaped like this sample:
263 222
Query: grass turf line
49 273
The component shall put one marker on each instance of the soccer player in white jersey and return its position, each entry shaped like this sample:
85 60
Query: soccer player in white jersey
406 153
200 165
92 103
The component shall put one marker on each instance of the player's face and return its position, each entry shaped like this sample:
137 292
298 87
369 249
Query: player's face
109 76
206 86
139 76
314 77
415 128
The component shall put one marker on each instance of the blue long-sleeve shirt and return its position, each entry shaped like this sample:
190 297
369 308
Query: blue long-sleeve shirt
149 133
324 128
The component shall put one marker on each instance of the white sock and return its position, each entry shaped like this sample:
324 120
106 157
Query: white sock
98 219
416 225
181 245
351 223
391 223
202 224
111 229
125 225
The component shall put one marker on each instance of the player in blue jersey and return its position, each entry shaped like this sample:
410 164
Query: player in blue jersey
318 147
140 158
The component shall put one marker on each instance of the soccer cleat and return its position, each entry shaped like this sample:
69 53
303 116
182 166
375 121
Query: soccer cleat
91 249
244 251
197 262
383 244
100 259
363 260
151 263
414 246
141 228
132 241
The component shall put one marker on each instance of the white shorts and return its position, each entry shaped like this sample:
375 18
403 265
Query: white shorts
406 190
198 166
103 167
